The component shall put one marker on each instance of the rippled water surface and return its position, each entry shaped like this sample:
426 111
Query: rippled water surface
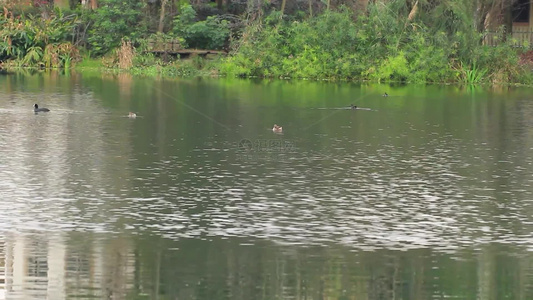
425 194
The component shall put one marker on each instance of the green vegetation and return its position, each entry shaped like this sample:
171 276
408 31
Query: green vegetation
211 33
380 46
382 40
112 22
31 41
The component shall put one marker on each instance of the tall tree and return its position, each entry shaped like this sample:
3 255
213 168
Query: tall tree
162 16
494 13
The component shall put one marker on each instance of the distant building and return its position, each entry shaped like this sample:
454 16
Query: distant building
516 16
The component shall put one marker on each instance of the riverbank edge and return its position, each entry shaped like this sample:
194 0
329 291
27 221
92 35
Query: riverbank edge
208 68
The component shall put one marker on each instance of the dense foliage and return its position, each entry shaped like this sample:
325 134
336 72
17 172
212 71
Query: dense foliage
29 41
211 33
112 22
382 40
380 45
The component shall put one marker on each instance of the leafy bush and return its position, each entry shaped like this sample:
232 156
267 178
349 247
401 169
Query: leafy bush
322 47
386 44
60 55
29 38
393 68
211 33
112 22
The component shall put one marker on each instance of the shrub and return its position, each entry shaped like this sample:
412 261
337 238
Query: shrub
122 57
112 22
60 55
30 39
386 44
212 33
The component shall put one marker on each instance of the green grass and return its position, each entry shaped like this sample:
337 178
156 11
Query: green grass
89 63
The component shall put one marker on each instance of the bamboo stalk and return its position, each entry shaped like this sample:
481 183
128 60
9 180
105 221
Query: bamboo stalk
282 8
413 12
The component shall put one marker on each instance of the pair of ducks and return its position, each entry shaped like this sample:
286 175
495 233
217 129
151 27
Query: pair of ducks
279 129
44 109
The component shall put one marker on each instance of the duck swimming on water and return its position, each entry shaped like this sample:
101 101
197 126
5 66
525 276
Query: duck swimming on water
37 109
353 106
132 115
277 129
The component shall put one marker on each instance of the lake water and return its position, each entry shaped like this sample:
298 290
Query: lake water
426 195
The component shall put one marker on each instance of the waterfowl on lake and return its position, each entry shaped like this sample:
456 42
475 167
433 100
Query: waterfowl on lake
37 109
132 115
385 95
353 106
277 128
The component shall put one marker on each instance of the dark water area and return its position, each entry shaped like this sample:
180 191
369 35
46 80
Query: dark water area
425 194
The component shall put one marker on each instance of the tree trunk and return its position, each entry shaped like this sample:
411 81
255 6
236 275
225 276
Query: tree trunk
310 8
363 4
162 16
283 2
89 4
359 6
254 9
507 19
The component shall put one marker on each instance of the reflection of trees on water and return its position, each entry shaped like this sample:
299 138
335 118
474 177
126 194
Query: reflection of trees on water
67 266
37 268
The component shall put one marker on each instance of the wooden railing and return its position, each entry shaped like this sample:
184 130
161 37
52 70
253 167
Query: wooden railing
164 46
518 38
174 48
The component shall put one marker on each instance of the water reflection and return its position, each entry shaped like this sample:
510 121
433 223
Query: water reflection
74 265
45 267
344 203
